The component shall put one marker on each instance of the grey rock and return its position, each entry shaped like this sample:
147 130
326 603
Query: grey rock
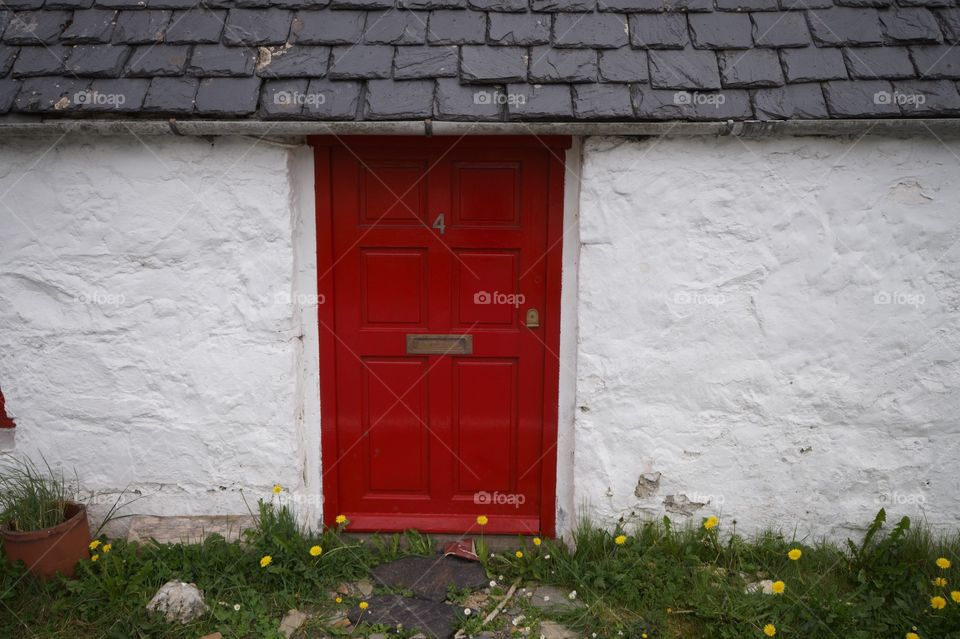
602 101
398 100
596 30
141 27
294 62
522 29
195 26
457 27
88 26
456 101
496 65
341 100
435 619
410 63
178 602
216 60
936 62
687 69
800 101
845 26
256 27
910 25
750 69
292 622
785 29
659 31
553 630
171 95
721 30
395 26
812 63
97 60
548 64
623 65
540 101
879 62
553 598
860 99
328 27
430 577
360 62
159 60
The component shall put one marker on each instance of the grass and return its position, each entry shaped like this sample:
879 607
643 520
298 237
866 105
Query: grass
31 499
661 581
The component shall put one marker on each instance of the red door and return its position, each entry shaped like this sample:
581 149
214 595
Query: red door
439 267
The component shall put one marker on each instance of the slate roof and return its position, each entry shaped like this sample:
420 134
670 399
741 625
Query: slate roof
489 60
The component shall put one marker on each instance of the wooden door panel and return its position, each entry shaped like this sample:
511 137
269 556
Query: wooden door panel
393 286
393 192
486 288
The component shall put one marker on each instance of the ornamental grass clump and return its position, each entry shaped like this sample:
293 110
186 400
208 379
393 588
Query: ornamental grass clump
31 498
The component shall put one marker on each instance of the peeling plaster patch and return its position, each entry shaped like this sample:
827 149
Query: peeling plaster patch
681 505
647 485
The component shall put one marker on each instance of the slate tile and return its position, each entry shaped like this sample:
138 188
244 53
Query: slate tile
878 62
23 5
172 4
433 618
294 62
659 104
195 26
539 101
8 93
216 60
398 99
455 101
784 29
171 95
936 62
457 27
805 5
505 6
97 60
722 105
563 5
340 101
863 3
5 17
750 69
120 4
141 27
812 64
927 97
548 64
228 96
41 60
114 95
845 26
7 56
602 101
34 27
657 6
68 4
367 5
686 69
296 4
660 31
950 23
414 63
432 4
748 5
596 30
721 30
255 27
794 101
329 27
910 25
860 99
50 94
284 99
360 62
925 3
396 26
89 26
523 29
623 65
159 60
497 65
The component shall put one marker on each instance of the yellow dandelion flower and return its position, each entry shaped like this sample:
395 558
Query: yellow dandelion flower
912 635
277 489
519 554
955 595
482 520
364 605
107 548
778 587
620 540
265 561
938 603
711 522
537 541
794 554
770 630
943 563
94 558
339 599
315 551
94 544
940 582
341 519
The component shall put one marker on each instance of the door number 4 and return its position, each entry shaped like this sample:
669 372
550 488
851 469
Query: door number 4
439 224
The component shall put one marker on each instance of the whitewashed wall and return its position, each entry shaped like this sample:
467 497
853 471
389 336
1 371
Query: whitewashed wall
148 337
770 329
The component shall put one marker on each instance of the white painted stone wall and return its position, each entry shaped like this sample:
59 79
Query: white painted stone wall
770 329
148 336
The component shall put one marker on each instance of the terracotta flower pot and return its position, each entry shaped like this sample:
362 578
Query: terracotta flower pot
51 550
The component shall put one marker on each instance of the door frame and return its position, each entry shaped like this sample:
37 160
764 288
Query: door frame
556 147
